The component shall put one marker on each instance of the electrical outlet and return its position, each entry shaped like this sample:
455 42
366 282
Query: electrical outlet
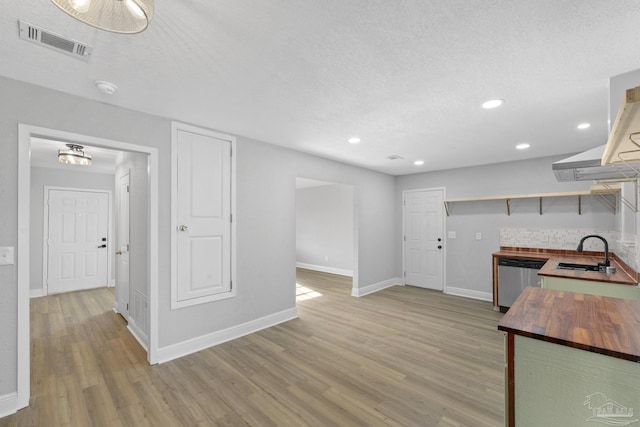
6 255
478 236
451 234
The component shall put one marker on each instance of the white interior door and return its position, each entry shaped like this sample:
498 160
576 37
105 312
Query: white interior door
203 218
78 223
424 238
122 253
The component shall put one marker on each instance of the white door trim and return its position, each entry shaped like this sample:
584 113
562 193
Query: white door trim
444 233
45 232
25 133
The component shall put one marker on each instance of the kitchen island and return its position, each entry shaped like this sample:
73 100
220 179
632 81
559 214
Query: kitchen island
571 358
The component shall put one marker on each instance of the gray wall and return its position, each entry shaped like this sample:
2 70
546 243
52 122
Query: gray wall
468 261
266 252
41 177
324 226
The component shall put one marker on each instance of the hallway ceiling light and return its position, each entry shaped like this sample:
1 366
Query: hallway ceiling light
74 155
354 140
117 16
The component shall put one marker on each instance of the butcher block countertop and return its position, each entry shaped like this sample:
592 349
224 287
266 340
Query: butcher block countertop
609 326
620 276
623 275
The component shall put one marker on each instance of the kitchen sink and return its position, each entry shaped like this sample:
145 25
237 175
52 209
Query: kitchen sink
579 267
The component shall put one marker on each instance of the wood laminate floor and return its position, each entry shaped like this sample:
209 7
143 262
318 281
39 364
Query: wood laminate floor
401 357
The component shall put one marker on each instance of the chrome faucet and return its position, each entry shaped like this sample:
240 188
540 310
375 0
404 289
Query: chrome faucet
602 267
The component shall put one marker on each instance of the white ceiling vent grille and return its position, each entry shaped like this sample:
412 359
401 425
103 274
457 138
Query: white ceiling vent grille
55 41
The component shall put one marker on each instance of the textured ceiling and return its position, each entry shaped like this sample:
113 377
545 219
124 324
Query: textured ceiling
406 76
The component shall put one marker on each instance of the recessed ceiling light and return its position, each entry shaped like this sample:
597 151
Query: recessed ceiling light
523 146
354 140
582 126
493 103
419 162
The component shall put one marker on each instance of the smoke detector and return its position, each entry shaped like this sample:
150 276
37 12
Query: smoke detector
106 87
43 37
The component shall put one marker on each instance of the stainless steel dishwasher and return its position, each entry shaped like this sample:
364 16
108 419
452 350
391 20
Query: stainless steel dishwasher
515 274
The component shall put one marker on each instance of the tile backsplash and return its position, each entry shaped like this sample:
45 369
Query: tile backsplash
556 238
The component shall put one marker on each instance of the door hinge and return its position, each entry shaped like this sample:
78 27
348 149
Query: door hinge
231 151
404 238
230 217
127 306
230 284
127 188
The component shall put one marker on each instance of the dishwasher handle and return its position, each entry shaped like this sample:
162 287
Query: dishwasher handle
535 264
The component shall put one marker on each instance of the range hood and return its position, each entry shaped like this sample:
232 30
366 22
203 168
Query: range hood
587 166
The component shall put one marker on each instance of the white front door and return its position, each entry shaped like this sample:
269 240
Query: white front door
203 218
78 225
424 238
122 252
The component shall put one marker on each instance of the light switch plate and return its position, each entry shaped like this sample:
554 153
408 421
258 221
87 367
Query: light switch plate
6 255
478 236
451 234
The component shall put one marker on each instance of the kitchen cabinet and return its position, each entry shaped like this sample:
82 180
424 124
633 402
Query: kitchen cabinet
571 359
592 288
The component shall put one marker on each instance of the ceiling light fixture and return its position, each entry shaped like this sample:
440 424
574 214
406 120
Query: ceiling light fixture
419 162
74 155
523 146
117 16
354 140
583 126
493 103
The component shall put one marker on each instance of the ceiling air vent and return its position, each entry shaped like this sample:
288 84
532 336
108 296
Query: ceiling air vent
55 41
395 157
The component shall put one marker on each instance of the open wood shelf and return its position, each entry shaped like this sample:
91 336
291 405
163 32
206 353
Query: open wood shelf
597 190
623 145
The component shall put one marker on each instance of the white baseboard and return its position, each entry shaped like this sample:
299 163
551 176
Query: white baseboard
36 293
8 404
369 289
138 334
116 308
461 292
325 269
193 345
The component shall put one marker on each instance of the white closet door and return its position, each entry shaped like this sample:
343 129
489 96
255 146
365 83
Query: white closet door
203 231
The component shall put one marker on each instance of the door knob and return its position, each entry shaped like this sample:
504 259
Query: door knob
439 246
183 228
118 252
102 246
